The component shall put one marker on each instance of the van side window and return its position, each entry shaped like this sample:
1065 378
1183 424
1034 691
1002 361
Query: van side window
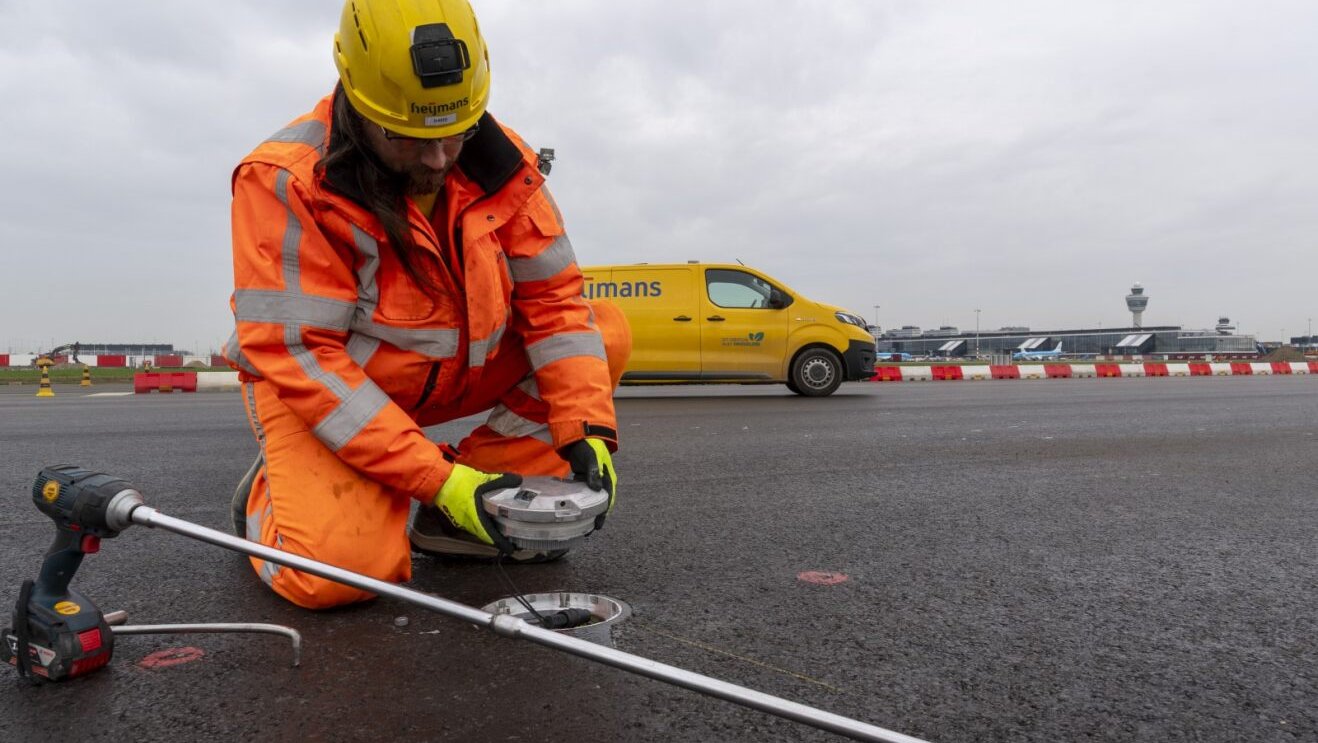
737 289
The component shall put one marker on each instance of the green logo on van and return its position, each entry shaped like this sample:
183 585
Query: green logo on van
751 340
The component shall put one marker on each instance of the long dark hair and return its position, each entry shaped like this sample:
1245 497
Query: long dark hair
353 169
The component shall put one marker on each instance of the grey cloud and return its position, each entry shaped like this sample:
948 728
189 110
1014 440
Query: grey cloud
1030 160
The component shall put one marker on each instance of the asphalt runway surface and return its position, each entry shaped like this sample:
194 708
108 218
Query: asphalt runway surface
1054 560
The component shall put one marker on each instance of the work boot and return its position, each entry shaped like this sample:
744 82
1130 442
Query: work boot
432 533
240 496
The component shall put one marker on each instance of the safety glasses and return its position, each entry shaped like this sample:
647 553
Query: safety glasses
406 141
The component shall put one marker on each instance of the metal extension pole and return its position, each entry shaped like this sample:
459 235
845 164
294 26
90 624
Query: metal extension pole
227 627
510 626
118 621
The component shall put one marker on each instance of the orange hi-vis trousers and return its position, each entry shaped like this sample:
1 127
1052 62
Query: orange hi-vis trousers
305 500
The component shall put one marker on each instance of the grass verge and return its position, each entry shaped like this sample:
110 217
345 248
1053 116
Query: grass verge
73 375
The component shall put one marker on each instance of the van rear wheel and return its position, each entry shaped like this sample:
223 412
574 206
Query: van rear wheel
816 372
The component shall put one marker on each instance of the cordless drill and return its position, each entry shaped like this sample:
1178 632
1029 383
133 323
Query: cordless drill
58 633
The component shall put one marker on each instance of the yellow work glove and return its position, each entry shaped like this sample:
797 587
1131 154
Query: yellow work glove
592 464
460 501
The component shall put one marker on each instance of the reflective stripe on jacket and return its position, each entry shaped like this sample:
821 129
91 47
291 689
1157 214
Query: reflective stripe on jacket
324 309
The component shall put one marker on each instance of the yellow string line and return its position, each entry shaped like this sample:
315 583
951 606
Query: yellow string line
744 659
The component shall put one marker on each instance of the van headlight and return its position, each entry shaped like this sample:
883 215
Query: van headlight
850 319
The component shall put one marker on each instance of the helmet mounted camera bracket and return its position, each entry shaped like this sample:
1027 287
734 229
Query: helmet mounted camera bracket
437 57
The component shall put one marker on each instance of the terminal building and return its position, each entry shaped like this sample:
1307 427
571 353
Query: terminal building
112 349
1171 341
1305 342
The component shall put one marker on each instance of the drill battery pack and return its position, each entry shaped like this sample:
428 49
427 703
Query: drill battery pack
65 640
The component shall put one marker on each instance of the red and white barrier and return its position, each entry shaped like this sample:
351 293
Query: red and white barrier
915 373
978 371
164 382
166 361
1068 371
217 381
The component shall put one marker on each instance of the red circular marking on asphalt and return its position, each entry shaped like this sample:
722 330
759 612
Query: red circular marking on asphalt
822 578
171 657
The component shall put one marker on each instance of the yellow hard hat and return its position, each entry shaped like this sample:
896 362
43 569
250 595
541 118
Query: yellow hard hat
416 67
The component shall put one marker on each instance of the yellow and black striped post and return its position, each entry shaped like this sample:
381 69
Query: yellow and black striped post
44 390
86 376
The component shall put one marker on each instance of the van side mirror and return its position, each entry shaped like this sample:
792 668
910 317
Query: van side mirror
778 300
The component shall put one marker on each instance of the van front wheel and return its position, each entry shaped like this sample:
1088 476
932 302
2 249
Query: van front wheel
816 372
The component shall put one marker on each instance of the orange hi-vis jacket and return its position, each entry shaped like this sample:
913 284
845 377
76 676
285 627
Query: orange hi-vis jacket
326 313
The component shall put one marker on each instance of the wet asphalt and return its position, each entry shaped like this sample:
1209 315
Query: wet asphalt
1078 560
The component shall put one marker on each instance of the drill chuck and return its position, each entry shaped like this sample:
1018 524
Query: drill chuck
84 501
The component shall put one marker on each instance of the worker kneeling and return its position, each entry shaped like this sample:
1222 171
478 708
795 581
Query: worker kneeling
398 263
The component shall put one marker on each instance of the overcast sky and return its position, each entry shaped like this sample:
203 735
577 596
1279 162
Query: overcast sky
1031 159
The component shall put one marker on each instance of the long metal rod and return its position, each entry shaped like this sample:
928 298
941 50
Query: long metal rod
226 627
510 626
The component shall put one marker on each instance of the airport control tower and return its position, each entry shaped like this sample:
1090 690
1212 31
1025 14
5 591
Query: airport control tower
1136 302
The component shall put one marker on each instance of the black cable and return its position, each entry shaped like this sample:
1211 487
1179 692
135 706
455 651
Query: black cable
561 619
498 563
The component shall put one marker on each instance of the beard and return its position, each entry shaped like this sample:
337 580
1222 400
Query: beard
424 180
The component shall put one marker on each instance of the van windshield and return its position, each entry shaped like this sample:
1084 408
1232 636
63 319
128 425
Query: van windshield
737 289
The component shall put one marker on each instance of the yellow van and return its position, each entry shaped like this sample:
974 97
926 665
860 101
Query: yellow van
719 323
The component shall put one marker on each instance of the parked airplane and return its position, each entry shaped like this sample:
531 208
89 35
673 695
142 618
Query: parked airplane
892 356
1038 355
